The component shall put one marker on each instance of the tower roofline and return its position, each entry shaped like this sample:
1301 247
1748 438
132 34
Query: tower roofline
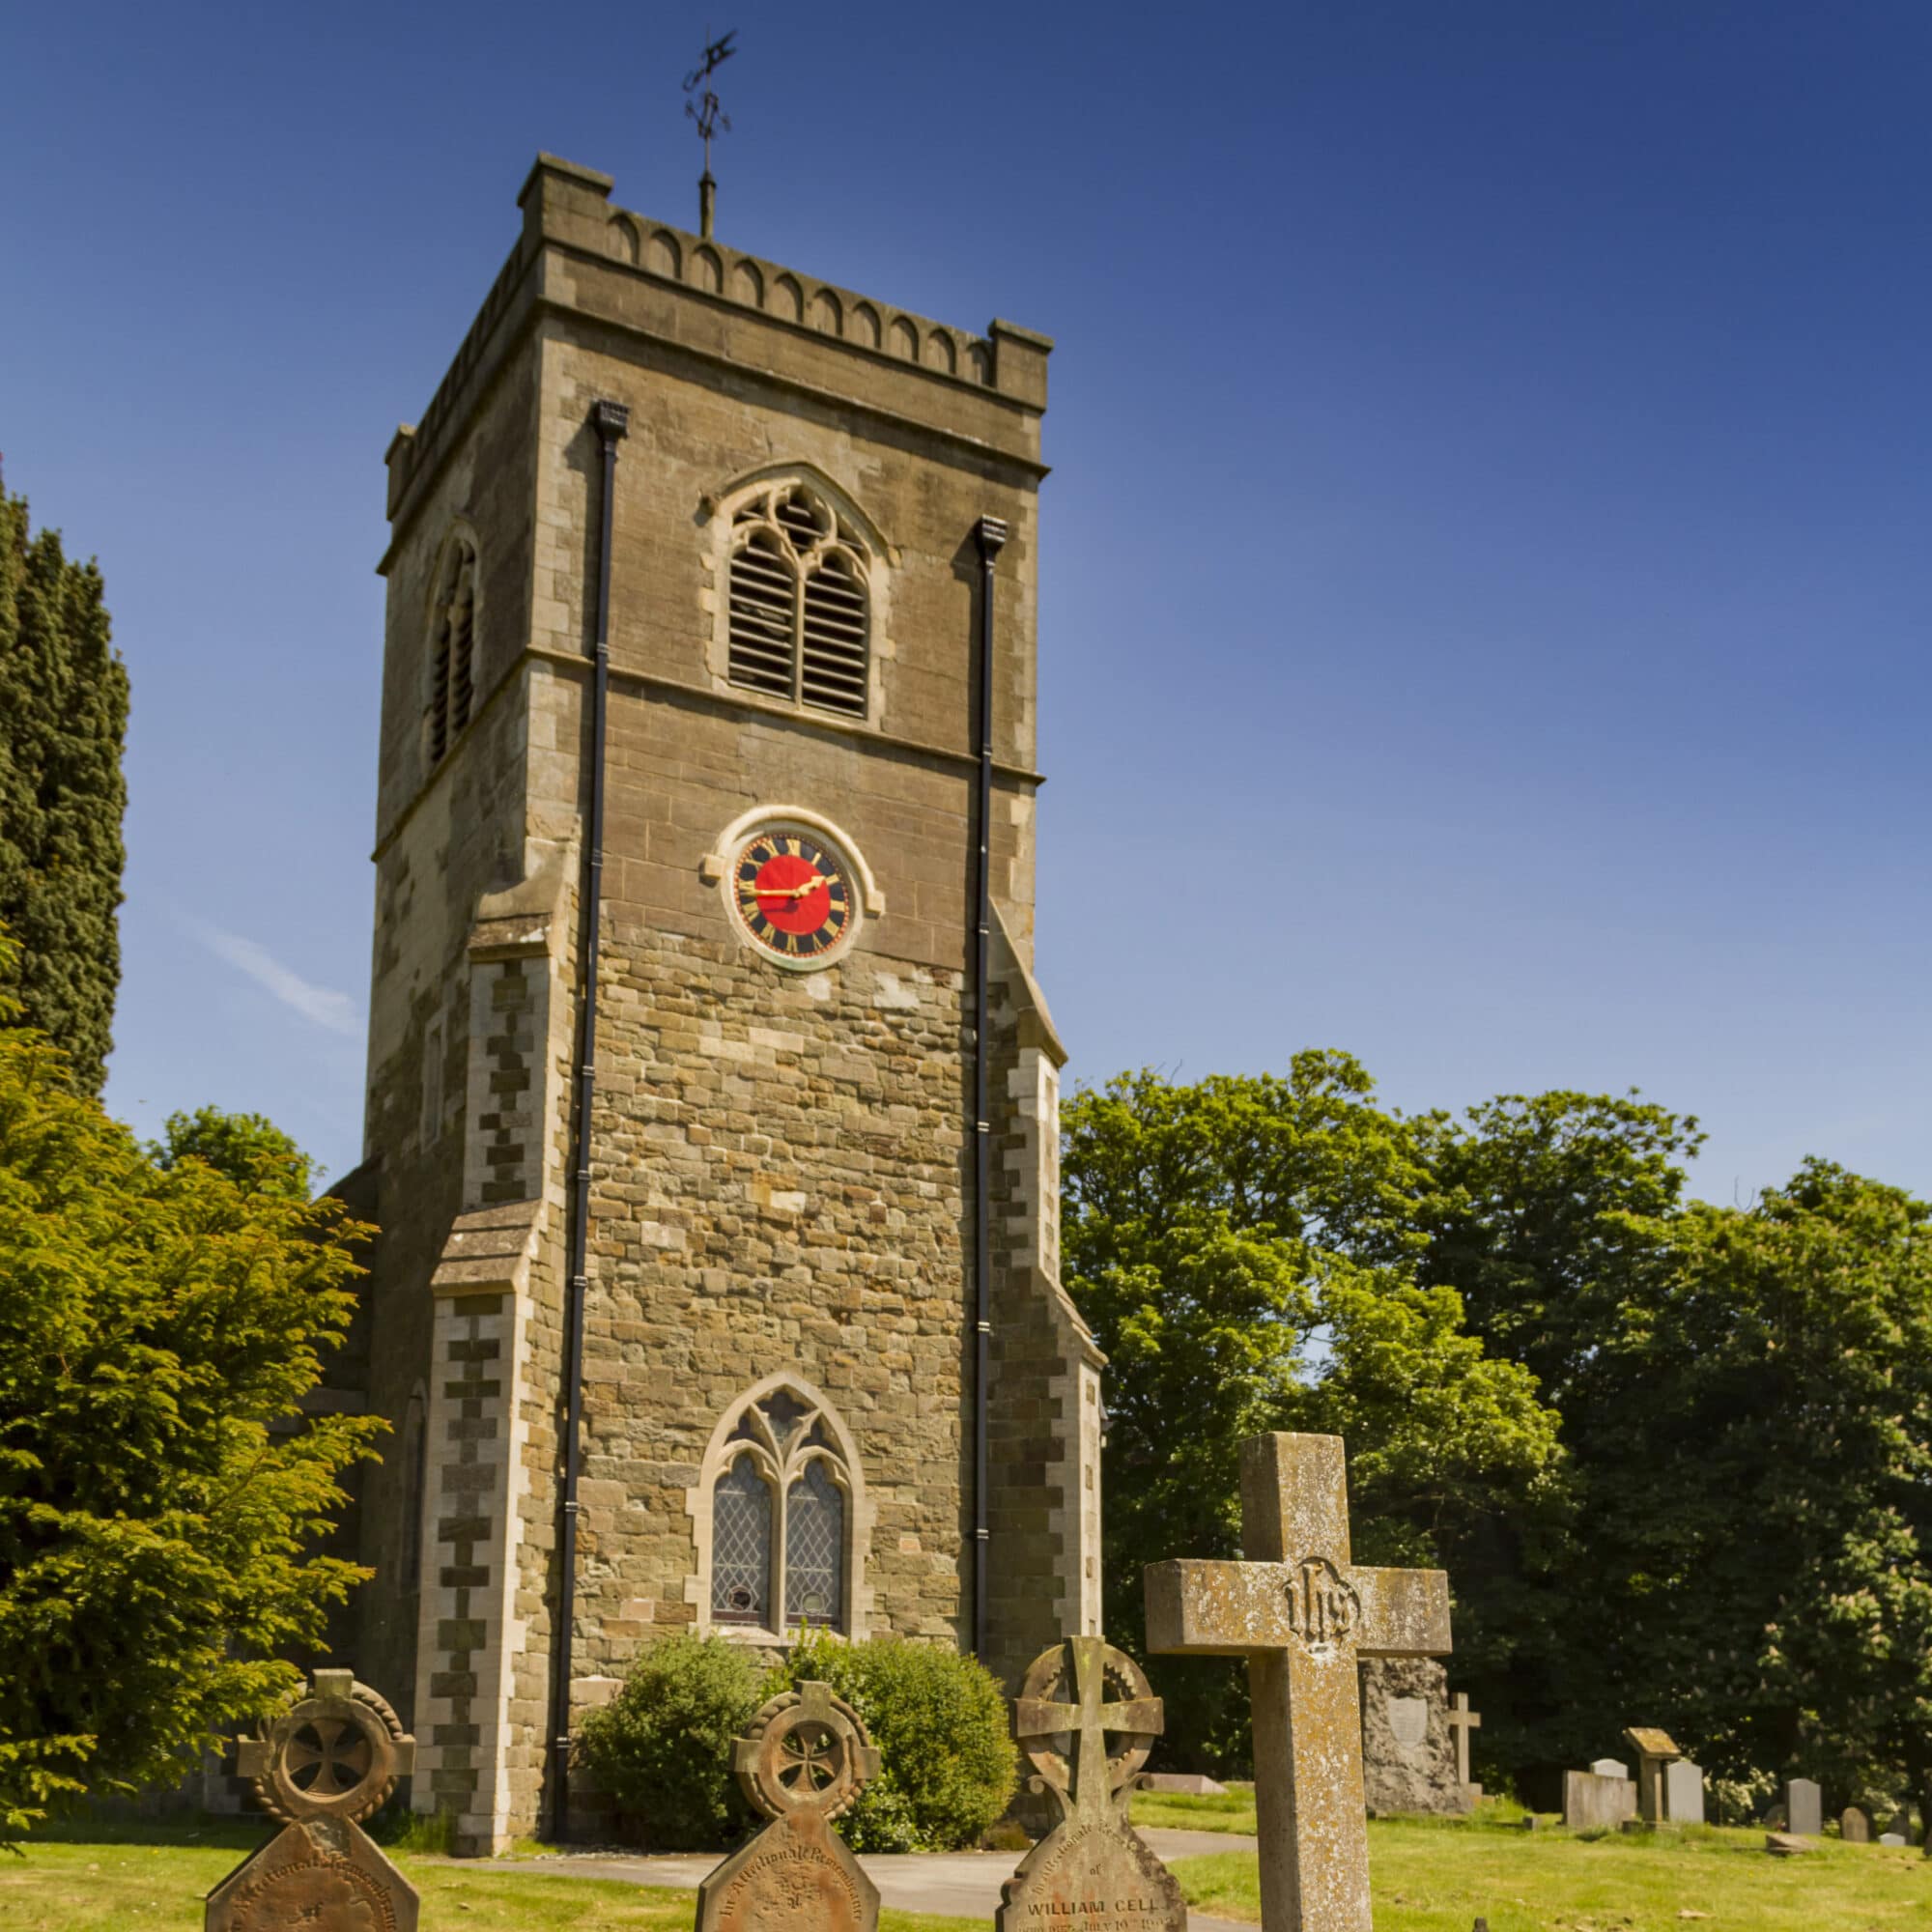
949 379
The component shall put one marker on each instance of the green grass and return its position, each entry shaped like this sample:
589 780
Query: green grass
1172 1812
1440 1875
145 1877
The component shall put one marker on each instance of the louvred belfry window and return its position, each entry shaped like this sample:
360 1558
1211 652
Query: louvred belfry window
800 612
452 667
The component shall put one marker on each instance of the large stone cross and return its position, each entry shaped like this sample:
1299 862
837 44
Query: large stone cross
1302 1614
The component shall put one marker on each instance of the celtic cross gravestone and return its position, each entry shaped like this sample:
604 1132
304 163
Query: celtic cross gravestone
1092 1866
806 1760
328 1761
1301 1612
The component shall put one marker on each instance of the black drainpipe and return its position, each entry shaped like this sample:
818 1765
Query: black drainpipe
991 535
612 421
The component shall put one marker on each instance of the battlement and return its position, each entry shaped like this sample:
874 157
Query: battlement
566 208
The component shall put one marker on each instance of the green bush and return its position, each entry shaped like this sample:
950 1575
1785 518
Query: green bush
940 1722
661 1747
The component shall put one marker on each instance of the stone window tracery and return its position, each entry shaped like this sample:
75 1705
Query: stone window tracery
452 653
799 600
781 1514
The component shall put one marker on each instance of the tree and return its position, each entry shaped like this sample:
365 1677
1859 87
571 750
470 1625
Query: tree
161 1322
63 719
1245 1250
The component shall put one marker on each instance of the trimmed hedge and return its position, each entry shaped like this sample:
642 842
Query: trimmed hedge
661 1747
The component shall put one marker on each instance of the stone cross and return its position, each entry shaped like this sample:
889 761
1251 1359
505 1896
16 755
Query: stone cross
1463 1721
1302 1613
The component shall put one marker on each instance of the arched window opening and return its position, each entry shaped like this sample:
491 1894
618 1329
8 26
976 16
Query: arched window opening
815 1547
741 1544
781 1518
799 617
453 648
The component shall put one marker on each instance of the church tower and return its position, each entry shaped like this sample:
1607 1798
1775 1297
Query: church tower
715 1328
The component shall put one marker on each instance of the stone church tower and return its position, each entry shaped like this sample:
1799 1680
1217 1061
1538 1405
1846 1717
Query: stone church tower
818 1373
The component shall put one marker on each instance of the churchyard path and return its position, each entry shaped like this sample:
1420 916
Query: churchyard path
952 1885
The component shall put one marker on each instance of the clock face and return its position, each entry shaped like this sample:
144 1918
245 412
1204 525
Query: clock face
794 896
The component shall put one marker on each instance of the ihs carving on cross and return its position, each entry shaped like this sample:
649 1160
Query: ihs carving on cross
702 105
1101 1783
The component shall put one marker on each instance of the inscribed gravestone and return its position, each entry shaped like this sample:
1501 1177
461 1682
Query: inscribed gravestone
328 1761
806 1760
1684 1792
1092 1866
1408 1751
1853 1827
1608 1767
1302 1614
1804 1809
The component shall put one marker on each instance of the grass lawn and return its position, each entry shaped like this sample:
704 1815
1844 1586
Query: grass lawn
1440 1876
144 1878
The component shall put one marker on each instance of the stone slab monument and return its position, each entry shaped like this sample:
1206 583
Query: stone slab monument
807 1758
1804 1809
1684 1792
1093 1868
1409 1756
1655 1749
1303 1614
326 1762
1853 1825
1593 1802
1184 1784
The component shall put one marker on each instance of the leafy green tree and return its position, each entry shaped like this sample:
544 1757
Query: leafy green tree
1245 1250
63 719
249 1149
159 1325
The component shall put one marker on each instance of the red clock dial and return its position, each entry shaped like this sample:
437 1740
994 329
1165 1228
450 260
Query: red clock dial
793 894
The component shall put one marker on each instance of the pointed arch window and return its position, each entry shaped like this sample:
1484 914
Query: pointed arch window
452 655
799 597
782 1519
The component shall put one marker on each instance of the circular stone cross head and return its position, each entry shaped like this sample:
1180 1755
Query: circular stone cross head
808 1751
336 1753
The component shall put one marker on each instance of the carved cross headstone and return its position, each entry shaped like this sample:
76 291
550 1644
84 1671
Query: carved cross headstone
326 1763
807 1758
1302 1613
1463 1721
1092 1865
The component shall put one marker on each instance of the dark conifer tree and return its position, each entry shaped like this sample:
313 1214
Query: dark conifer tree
63 721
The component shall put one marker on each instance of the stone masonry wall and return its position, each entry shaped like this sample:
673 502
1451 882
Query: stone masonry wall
779 1187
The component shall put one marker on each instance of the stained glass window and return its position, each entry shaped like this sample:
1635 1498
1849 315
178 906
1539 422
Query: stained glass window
741 1544
815 1547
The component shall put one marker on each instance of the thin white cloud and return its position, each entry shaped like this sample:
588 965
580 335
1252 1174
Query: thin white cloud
318 1005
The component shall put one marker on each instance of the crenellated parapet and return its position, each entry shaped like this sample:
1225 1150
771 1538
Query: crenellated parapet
566 208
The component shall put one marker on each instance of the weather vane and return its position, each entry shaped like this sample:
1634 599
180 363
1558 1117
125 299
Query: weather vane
702 105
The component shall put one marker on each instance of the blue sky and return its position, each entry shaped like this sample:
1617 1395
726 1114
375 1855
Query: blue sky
1485 568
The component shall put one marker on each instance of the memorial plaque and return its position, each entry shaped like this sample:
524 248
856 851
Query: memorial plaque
808 1757
1093 1867
328 1761
1408 1721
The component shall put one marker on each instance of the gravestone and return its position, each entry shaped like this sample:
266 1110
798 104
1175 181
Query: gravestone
1654 1750
1463 1721
1891 1838
1183 1783
1684 1792
1408 1750
1093 1867
1302 1614
806 1760
328 1761
1609 1767
1594 1802
1804 1809
1853 1827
